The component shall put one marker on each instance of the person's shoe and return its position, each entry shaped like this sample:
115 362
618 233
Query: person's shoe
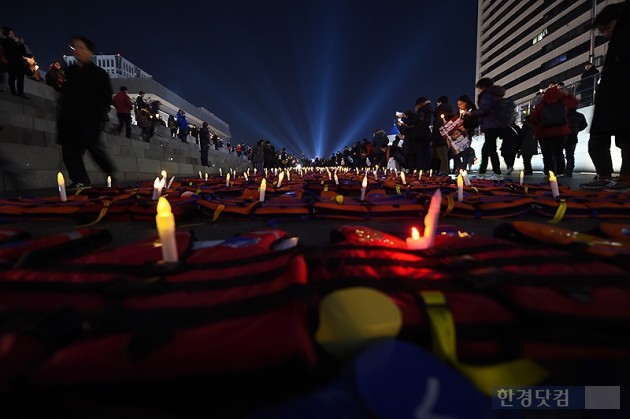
617 186
509 170
568 173
24 96
595 185
79 185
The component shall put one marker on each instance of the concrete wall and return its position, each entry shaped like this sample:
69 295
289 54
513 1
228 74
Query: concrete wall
30 157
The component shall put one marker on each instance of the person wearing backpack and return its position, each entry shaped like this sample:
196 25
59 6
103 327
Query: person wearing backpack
489 96
551 123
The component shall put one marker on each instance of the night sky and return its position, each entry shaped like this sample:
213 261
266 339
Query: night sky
309 76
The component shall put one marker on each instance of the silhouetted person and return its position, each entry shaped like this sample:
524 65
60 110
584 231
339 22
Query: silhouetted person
83 104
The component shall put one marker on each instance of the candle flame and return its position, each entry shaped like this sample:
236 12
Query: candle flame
415 234
365 182
552 177
60 179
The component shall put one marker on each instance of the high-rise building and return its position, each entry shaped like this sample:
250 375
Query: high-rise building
523 45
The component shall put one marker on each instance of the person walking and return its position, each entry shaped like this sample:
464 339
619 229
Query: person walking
84 100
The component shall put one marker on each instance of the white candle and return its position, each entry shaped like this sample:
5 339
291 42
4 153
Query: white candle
555 192
466 178
415 241
200 177
364 187
157 190
220 172
420 175
336 178
280 179
61 184
263 188
431 219
245 175
227 180
288 175
460 188
163 173
403 178
165 222
170 182
109 181
206 177
255 170
521 177
431 173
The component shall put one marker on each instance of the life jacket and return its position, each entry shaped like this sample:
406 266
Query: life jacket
124 316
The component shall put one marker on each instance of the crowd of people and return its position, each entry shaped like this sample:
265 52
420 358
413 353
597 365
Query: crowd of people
428 138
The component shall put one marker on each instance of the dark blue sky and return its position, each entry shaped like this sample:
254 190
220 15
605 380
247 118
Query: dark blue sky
309 76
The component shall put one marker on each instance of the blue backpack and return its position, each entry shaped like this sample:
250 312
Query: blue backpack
506 112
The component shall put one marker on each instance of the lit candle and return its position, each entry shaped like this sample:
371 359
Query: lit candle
420 175
245 175
443 119
227 180
402 177
157 189
329 175
163 173
430 172
431 219
165 222
170 182
460 188
336 178
263 188
109 181
288 175
554 185
522 176
375 174
280 179
200 177
248 171
255 170
61 183
415 241
364 187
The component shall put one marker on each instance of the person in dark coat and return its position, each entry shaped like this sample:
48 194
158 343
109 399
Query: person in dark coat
610 114
443 112
529 146
422 146
15 51
83 104
488 98
379 145
577 123
204 143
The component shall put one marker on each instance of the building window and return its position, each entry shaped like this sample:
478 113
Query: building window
540 36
